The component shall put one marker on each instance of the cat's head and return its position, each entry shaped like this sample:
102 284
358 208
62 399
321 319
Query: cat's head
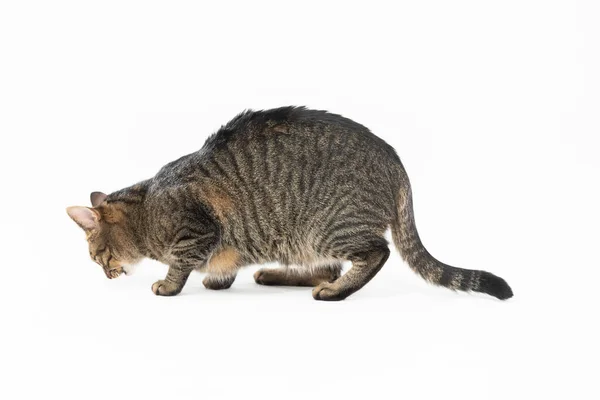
109 237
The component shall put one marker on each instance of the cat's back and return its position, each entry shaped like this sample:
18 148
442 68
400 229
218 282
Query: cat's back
295 126
296 152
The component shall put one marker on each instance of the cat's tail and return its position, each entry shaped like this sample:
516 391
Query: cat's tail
406 239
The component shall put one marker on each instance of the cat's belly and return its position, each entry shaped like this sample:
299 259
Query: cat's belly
293 253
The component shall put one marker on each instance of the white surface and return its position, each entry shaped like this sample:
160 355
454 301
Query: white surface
492 106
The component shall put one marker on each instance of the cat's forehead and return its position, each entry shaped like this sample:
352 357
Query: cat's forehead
112 213
93 239
97 236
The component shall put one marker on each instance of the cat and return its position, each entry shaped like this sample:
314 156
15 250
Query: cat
305 188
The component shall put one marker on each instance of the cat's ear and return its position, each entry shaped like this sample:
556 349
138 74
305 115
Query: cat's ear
85 217
97 198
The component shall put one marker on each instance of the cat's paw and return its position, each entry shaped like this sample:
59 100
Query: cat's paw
266 277
217 282
328 292
165 288
258 277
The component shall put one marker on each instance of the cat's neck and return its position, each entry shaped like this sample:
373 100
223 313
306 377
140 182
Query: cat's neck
132 195
131 201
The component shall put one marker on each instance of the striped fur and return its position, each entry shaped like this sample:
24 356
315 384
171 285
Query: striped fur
304 188
406 239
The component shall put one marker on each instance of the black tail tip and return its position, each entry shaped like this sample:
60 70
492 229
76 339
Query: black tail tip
494 286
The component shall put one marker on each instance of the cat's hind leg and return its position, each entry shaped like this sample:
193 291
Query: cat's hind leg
367 253
305 276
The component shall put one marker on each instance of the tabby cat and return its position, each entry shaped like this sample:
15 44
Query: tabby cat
307 189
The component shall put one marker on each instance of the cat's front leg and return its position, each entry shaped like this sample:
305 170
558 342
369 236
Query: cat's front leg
173 282
194 241
218 282
222 268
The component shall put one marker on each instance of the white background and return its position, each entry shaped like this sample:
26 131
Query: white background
492 106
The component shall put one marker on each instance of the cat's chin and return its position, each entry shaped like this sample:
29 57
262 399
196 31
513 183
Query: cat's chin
129 269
